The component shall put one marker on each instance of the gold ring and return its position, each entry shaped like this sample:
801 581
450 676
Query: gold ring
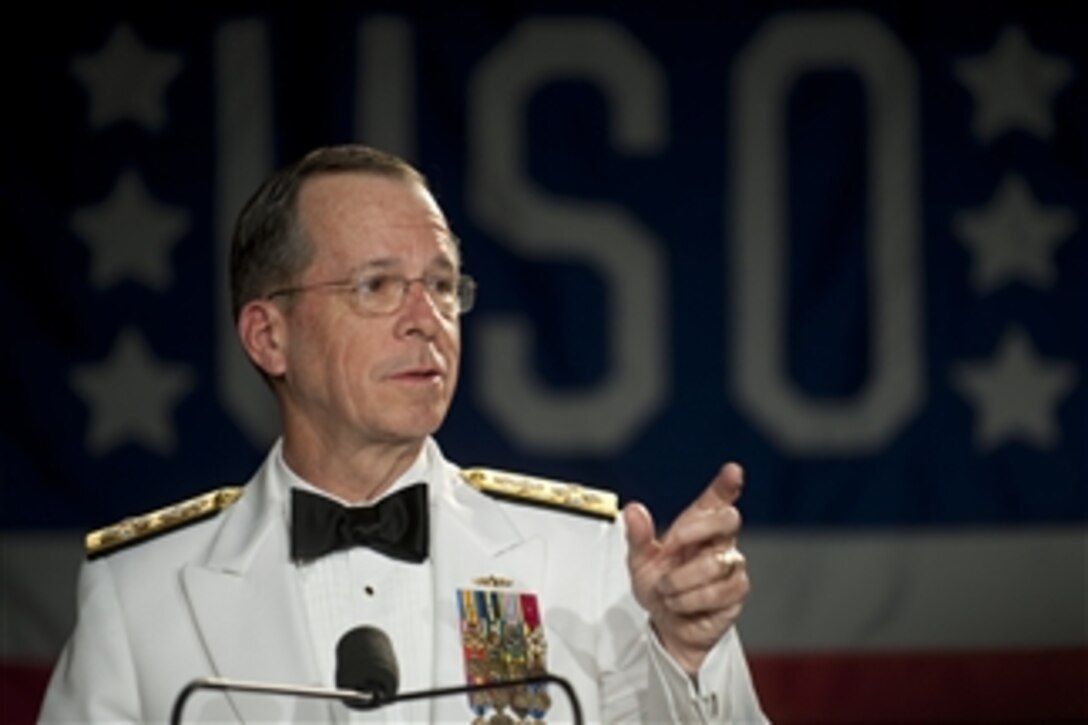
728 559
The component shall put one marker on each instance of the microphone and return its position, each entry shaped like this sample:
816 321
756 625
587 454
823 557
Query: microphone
365 663
367 677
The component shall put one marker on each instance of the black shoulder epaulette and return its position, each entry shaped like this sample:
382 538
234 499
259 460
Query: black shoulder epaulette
142 528
559 495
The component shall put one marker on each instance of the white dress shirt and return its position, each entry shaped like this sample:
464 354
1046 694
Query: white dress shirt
359 586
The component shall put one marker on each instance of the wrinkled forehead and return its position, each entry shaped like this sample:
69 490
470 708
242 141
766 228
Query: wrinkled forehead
356 218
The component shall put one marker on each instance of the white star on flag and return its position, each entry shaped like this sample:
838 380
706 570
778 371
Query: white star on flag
131 234
131 396
1013 86
127 81
1013 237
1015 394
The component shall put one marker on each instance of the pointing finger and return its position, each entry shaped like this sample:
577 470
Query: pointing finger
719 526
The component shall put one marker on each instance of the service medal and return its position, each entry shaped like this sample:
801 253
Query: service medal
502 639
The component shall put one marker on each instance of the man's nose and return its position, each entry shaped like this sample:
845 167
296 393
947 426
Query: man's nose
418 311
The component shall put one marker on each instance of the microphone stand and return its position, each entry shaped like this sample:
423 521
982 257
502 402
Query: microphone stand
362 699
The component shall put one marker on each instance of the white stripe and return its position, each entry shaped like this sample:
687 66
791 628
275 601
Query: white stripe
891 590
811 591
37 592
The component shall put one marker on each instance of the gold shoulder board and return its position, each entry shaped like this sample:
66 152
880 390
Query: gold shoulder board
141 528
518 488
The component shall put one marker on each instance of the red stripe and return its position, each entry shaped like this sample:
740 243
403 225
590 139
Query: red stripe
21 690
1035 686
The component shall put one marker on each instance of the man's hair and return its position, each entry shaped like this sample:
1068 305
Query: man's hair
269 248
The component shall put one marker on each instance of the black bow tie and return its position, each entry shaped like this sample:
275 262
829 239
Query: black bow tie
396 526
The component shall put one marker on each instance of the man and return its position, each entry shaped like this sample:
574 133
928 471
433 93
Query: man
347 291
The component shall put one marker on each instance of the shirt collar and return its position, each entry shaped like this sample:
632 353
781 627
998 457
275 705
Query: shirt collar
427 467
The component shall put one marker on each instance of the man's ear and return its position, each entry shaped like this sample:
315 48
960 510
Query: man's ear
263 332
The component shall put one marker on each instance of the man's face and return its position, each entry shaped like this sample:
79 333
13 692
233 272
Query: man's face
367 379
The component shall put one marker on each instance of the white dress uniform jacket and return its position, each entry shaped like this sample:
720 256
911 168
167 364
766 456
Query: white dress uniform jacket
221 598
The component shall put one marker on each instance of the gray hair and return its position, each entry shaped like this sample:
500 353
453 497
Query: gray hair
269 248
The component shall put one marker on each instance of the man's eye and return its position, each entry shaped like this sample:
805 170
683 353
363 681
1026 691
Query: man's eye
442 285
376 285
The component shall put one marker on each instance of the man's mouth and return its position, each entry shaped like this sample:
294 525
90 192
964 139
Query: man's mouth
418 374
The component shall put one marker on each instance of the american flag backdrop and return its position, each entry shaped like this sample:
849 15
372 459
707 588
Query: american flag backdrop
845 244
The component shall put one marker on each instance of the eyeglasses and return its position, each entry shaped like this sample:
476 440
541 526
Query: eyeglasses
383 294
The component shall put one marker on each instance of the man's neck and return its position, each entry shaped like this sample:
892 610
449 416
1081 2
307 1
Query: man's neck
355 474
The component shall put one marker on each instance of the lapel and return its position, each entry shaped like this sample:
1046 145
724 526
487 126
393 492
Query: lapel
247 606
472 537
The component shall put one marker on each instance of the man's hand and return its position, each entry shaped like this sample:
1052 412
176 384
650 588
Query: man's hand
693 581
